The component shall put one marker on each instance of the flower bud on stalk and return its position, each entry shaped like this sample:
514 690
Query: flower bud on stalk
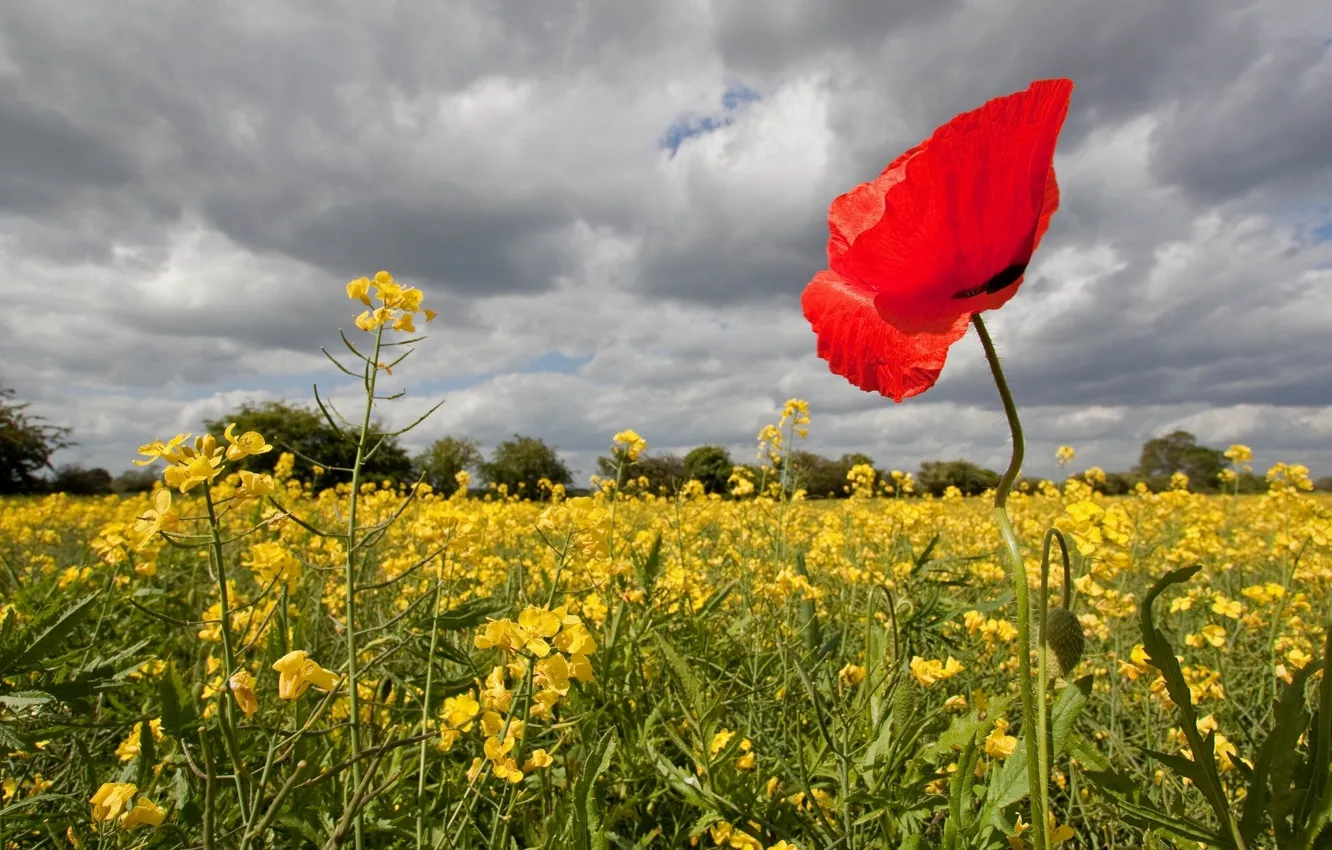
1064 638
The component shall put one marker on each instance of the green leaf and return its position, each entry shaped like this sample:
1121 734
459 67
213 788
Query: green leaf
25 699
448 651
1007 786
964 727
588 833
1162 656
924 557
471 613
176 708
1064 714
684 674
1179 764
147 756
9 742
1276 762
1322 756
716 599
53 635
1183 827
647 570
701 825
960 796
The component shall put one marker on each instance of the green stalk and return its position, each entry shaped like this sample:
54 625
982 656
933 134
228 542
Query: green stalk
225 716
1043 684
219 567
349 579
1031 734
425 716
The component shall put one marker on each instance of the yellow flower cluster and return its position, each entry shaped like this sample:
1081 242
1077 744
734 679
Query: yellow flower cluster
549 646
114 802
931 671
201 463
398 305
630 444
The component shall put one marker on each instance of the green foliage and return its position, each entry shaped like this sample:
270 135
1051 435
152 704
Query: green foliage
26 445
664 473
520 464
306 432
711 466
936 476
75 480
135 481
821 477
440 464
1288 794
45 675
1179 452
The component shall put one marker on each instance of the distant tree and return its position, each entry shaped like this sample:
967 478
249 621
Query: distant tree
821 477
664 473
936 476
135 481
446 457
521 462
616 468
711 466
1162 457
77 481
305 430
1119 483
26 445
1324 484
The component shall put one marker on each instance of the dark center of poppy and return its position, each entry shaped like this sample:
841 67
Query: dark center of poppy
1003 280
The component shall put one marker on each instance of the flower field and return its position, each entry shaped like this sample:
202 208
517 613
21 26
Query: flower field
632 670
245 659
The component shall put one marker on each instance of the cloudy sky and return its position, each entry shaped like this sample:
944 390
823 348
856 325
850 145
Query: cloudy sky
615 204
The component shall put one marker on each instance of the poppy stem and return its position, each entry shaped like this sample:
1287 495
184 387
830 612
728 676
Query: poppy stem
1032 731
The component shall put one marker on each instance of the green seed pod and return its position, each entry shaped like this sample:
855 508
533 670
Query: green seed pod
904 703
1063 635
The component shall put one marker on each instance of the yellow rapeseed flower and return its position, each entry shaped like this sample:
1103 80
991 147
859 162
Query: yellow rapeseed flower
112 799
241 684
297 672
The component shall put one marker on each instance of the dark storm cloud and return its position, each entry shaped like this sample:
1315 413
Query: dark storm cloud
772 38
49 161
1271 129
272 125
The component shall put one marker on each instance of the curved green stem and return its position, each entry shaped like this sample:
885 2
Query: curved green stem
1031 734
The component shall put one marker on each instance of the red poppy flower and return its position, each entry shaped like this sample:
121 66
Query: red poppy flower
946 230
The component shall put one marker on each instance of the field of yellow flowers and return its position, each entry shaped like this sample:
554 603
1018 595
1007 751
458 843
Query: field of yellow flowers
246 660
658 670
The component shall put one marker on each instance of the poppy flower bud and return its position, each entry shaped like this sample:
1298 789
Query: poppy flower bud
1063 635
904 703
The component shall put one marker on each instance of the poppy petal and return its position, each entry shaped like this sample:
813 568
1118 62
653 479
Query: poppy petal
860 209
869 352
962 212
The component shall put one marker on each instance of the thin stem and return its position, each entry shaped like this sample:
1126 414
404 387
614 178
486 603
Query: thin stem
226 719
349 579
1043 681
425 718
1031 734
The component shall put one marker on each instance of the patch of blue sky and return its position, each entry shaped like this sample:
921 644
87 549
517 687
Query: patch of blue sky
552 362
555 361
688 126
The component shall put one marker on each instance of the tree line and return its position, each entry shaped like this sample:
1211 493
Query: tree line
528 466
